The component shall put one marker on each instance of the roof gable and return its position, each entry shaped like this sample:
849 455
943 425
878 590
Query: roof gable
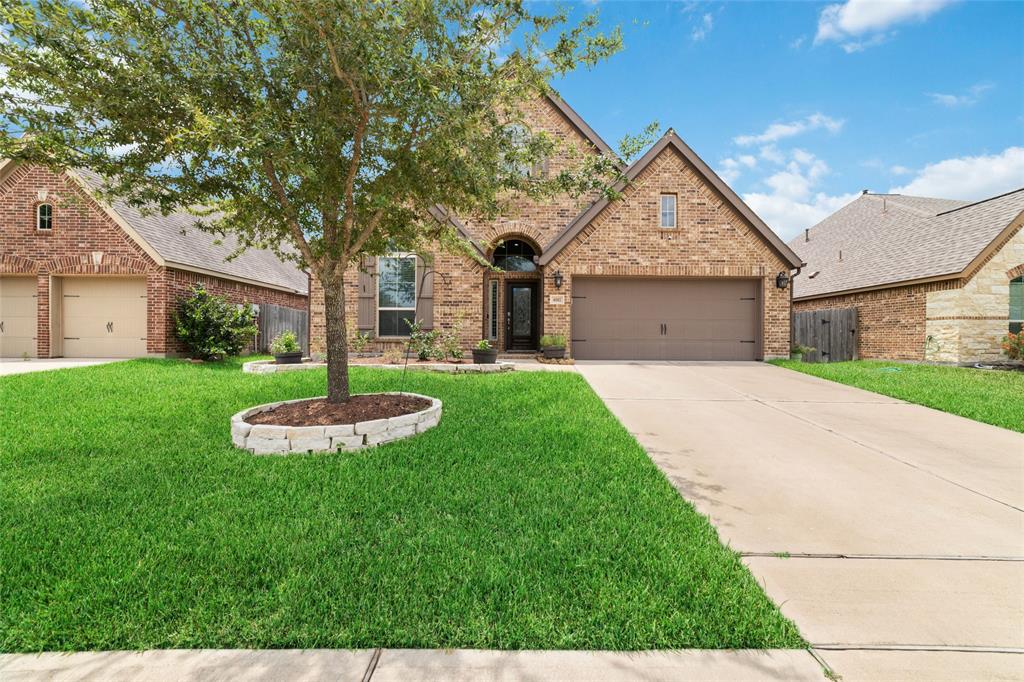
672 140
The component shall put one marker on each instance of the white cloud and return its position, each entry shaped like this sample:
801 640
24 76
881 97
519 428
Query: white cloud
797 43
969 177
731 168
779 131
792 204
703 28
789 217
858 24
900 170
770 152
966 99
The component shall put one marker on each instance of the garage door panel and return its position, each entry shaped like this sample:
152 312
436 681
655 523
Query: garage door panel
665 319
104 317
18 309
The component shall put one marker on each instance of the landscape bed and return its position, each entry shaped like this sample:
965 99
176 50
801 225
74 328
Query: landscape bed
528 518
991 396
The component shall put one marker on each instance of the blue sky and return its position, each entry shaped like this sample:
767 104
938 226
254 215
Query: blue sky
801 105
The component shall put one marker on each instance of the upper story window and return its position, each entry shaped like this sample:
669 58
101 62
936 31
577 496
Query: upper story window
668 211
44 217
396 294
515 255
1017 305
538 168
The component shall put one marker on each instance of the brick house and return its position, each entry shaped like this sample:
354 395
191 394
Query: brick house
79 278
678 269
932 279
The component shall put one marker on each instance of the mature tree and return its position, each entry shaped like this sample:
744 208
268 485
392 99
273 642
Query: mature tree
322 129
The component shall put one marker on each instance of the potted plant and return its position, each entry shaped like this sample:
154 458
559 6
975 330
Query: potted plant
485 353
285 348
553 346
799 351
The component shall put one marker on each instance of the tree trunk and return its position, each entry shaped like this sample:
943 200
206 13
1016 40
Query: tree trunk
337 343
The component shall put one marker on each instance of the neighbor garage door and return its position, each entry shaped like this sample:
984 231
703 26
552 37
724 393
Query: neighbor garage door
665 319
104 317
17 317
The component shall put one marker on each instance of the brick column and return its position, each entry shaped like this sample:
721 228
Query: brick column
43 315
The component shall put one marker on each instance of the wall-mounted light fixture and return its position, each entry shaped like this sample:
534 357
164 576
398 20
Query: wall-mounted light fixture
558 279
782 280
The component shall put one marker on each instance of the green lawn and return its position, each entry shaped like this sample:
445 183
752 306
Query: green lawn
990 396
528 519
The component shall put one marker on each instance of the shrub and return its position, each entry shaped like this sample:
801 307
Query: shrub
451 338
212 328
800 349
285 342
424 343
393 355
1013 345
552 341
483 344
357 340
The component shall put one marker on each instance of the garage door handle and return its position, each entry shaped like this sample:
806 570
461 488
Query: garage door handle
110 327
1 327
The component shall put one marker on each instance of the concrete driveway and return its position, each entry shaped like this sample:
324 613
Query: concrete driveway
892 534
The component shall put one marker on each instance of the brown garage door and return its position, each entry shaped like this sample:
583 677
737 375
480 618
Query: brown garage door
665 319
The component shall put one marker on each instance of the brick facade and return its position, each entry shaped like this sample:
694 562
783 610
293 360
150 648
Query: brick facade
711 240
86 241
949 321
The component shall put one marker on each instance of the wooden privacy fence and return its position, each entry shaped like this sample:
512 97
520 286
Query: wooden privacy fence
832 333
275 319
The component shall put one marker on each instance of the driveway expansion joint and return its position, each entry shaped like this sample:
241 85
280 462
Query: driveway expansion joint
897 557
372 665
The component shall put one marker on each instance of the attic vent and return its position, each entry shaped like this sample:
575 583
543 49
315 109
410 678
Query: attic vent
814 274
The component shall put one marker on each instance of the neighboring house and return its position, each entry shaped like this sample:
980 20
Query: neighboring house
678 269
79 278
931 279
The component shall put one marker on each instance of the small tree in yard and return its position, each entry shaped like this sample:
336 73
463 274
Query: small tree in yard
322 129
211 327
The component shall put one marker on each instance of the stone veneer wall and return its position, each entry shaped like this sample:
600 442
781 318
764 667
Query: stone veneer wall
968 323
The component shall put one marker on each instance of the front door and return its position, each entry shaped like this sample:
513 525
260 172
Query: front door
521 316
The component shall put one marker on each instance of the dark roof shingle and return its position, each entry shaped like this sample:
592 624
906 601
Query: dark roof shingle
882 239
178 241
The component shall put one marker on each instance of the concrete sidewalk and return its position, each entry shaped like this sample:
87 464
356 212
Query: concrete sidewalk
892 534
9 366
405 665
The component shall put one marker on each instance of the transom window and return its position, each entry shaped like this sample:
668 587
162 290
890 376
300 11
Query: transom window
44 217
668 211
1017 304
515 255
396 294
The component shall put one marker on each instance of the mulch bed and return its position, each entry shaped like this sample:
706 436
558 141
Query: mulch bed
359 408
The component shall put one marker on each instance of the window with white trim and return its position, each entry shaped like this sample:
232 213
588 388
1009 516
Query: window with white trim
44 217
492 311
396 294
668 211
1017 305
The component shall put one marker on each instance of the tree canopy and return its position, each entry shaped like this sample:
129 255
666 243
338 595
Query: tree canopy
322 129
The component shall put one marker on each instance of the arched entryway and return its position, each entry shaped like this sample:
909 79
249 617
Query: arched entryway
514 303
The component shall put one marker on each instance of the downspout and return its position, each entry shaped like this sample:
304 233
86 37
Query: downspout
792 285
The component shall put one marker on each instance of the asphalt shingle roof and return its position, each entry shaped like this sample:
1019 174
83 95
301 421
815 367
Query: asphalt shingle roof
177 240
890 238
